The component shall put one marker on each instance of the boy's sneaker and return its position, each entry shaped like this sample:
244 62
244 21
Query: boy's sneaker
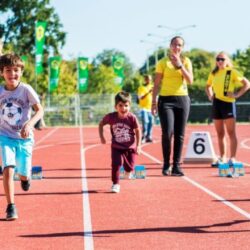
115 188
11 212
25 185
129 175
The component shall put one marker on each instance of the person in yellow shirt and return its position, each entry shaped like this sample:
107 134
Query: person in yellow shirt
222 91
173 74
145 102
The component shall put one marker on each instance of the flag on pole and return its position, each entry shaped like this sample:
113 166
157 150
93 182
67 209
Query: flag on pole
40 39
54 70
118 66
24 59
83 74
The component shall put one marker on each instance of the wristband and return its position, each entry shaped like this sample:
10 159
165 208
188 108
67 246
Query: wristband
179 66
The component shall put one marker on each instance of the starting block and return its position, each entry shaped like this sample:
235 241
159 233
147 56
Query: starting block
200 148
224 170
138 173
236 171
36 173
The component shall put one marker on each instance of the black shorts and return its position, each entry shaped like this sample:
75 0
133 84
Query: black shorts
223 110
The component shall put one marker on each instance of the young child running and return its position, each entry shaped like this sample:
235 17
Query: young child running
126 138
16 124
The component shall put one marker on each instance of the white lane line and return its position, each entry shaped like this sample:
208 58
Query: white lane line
209 192
46 136
217 197
87 225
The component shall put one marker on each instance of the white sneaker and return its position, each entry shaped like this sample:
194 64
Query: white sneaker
115 188
128 175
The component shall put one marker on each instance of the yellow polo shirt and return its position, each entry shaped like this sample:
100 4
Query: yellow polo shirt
146 102
217 81
173 83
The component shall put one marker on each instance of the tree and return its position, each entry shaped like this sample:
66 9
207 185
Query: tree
102 77
242 61
19 27
202 62
18 34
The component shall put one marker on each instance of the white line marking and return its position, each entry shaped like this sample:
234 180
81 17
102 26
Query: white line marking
209 192
216 196
244 143
46 136
87 225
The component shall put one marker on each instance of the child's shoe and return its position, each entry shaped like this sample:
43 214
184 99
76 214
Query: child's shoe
128 175
115 188
11 212
25 185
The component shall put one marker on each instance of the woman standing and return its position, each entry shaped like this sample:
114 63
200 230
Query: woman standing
221 90
173 73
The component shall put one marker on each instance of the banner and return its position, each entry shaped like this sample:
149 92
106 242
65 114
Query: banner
40 39
118 66
54 70
24 59
83 74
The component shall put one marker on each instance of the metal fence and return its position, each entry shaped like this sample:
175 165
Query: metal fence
90 108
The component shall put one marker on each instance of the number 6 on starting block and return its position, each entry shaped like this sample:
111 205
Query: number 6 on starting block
200 148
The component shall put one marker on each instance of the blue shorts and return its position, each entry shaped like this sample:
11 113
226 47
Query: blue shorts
17 153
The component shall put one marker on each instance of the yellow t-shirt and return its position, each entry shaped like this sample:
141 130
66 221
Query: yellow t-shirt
173 83
146 102
217 81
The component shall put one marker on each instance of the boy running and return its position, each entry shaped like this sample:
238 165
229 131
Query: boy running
126 137
16 124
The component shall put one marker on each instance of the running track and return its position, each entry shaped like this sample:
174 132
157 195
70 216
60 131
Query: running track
72 207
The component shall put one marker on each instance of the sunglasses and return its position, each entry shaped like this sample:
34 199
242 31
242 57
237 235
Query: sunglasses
220 59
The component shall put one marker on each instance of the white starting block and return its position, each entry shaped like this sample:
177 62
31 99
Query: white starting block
200 148
36 173
138 173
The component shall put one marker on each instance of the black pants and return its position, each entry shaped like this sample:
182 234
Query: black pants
173 113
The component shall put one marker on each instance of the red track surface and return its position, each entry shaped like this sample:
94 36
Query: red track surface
198 211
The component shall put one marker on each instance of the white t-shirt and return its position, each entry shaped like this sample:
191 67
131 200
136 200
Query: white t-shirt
15 109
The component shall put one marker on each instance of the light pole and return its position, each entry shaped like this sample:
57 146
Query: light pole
156 53
164 39
177 30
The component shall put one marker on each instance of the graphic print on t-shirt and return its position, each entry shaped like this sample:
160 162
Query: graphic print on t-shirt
121 132
11 113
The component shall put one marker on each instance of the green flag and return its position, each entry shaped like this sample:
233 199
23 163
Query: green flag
118 66
83 74
40 38
54 70
24 59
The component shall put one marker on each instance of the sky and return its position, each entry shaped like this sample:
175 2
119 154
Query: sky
93 26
